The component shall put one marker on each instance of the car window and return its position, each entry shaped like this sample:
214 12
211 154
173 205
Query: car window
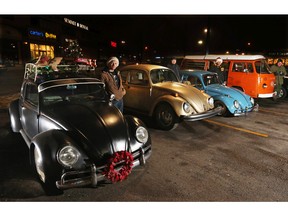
238 67
242 67
138 77
195 81
31 94
262 67
162 75
124 75
73 93
249 67
210 79
192 80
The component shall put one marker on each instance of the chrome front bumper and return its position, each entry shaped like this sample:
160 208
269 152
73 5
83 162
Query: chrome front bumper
246 111
204 115
95 174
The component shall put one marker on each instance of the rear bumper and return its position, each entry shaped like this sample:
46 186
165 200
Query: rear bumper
94 174
204 115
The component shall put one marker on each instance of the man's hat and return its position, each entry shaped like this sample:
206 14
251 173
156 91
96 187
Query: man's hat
219 60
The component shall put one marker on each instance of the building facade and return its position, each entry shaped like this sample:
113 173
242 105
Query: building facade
24 37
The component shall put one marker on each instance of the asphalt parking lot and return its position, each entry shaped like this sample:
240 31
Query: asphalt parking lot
219 159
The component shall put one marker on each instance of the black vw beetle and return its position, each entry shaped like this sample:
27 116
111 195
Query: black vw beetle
76 137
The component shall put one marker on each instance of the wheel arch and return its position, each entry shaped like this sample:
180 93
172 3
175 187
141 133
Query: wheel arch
226 109
161 122
170 100
15 116
49 143
134 123
239 88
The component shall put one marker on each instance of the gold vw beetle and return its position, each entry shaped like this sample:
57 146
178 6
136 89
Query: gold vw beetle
155 91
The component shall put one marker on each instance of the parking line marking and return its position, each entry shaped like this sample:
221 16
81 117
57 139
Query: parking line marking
236 128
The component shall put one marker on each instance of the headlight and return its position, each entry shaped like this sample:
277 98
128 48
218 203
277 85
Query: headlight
236 104
68 156
252 100
142 134
211 101
187 107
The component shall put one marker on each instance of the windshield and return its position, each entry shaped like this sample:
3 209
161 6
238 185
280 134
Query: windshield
162 75
73 93
262 67
210 79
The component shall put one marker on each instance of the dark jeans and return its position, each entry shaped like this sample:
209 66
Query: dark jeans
119 104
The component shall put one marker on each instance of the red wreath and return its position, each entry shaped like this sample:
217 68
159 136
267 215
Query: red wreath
122 174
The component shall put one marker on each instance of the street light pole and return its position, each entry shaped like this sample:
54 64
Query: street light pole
207 37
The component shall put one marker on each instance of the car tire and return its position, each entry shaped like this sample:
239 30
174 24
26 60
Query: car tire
165 117
283 93
48 185
225 112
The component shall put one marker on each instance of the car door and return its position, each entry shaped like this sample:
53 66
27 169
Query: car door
137 90
29 110
242 76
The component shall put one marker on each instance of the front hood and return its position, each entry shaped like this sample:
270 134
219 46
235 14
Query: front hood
220 90
197 99
99 129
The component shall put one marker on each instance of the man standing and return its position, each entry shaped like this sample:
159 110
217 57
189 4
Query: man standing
175 67
113 82
217 67
279 71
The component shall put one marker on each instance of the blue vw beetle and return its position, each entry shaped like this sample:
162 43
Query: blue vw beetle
233 101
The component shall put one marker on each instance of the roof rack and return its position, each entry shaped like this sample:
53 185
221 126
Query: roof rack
37 73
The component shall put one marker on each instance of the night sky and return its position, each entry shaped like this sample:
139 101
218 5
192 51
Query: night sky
179 34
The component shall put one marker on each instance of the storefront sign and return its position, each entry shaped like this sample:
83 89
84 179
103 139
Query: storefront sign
42 34
74 23
50 35
36 33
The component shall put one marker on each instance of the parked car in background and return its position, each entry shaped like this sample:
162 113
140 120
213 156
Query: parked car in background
232 101
248 73
155 91
76 137
2 68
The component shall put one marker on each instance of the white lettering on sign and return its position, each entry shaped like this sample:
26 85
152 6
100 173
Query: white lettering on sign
74 23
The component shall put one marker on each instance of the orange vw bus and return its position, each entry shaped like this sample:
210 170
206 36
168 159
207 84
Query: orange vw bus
249 73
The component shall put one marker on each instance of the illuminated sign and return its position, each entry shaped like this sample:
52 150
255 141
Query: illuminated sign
113 44
42 34
36 33
74 23
50 35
